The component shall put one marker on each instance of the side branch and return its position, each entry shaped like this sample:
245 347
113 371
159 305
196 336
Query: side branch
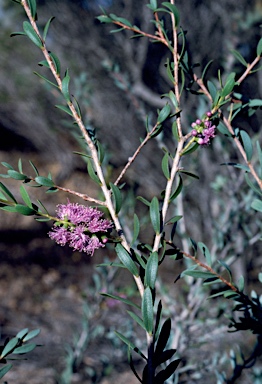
230 285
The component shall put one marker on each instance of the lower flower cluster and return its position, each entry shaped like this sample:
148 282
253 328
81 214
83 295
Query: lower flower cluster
81 227
204 130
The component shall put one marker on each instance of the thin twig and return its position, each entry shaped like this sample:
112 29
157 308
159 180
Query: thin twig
230 285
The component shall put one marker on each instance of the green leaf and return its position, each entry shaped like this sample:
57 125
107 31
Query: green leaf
45 79
147 310
151 270
155 214
189 173
24 210
22 333
163 375
241 284
34 168
7 192
163 114
13 34
16 175
56 62
252 185
239 57
31 334
177 190
173 9
117 197
191 149
223 129
130 344
64 109
143 200
104 19
137 319
124 21
206 253
4 370
206 68
47 27
163 338
45 181
255 103
7 165
212 89
197 274
119 298
227 268
32 5
173 220
24 349
30 32
236 165
126 259
136 229
165 166
173 98
259 47
247 144
257 205
65 86
25 196
92 172
230 83
152 5
9 347
20 167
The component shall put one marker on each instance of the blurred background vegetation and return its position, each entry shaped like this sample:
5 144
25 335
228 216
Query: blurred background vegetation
118 82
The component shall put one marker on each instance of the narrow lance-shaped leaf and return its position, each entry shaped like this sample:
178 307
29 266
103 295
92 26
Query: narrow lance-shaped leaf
32 5
259 47
47 27
92 172
56 62
24 349
151 270
45 181
126 259
33 36
119 298
9 347
164 113
147 310
65 86
155 215
116 196
230 83
25 196
163 338
130 344
64 109
247 144
205 252
7 192
136 229
16 175
165 166
4 370
174 10
31 334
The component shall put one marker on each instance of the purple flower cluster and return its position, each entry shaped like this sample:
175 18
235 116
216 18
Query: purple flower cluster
77 225
204 130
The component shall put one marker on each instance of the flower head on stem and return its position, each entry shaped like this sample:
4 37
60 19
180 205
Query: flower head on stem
80 227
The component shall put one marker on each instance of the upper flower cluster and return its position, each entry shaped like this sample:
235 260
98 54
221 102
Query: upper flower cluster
204 130
77 225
